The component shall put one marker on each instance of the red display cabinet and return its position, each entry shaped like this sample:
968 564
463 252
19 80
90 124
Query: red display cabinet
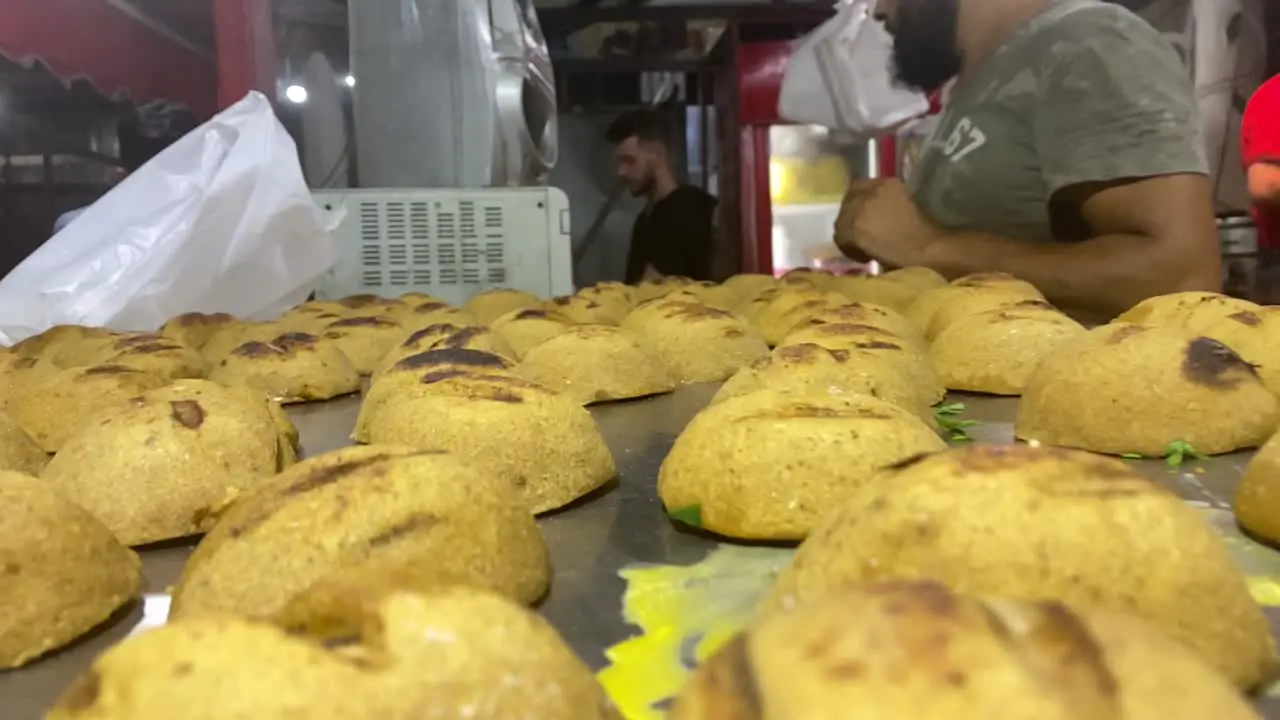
753 160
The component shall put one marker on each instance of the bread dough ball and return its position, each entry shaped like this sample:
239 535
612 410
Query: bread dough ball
66 346
291 368
996 351
61 406
232 335
614 298
1125 388
18 372
918 650
524 330
195 329
777 312
365 340
767 465
163 467
360 653
1042 524
435 312
488 306
698 343
444 336
877 316
898 355
597 363
966 305
1257 498
896 289
154 354
744 288
406 376
973 293
1190 311
385 507
1253 333
63 572
582 310
544 443
809 368
18 452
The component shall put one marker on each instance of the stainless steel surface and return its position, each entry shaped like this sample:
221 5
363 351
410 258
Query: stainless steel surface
1238 235
592 540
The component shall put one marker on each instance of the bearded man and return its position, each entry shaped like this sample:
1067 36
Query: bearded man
1068 154
675 234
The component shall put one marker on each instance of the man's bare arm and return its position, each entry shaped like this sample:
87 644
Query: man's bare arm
1151 236
1264 184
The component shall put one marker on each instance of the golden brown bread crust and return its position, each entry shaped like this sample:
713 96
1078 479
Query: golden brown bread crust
918 650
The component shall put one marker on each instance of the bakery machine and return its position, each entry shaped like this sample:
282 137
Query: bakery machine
449 242
455 134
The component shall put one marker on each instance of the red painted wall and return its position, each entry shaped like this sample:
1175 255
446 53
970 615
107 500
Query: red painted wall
118 55
246 49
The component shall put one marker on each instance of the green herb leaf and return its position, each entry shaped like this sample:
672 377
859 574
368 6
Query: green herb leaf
691 515
1178 452
1131 456
954 426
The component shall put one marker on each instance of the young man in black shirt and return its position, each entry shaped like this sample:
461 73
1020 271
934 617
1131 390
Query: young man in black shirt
675 234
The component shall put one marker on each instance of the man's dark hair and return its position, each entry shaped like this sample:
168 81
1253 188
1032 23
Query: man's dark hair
643 125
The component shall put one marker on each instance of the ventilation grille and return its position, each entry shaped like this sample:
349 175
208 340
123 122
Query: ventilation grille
414 243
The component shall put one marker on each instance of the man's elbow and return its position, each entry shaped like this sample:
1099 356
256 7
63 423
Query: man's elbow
1191 272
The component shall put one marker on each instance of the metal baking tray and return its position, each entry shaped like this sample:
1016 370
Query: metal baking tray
618 529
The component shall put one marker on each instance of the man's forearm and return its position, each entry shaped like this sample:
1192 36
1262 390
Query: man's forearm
1103 276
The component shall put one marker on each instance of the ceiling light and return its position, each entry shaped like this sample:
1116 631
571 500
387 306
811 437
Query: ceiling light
295 94
349 81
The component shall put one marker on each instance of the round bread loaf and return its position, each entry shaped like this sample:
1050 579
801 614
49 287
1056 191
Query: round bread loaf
524 330
357 653
896 354
697 342
63 571
386 507
544 443
937 308
153 354
1123 388
917 650
196 329
996 351
1042 524
809 368
365 340
18 452
163 467
291 368
767 465
486 307
1257 498
60 406
408 376
597 363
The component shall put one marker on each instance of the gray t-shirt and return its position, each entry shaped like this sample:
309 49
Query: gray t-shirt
1086 92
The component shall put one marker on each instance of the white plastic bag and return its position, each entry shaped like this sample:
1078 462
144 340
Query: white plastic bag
840 76
220 221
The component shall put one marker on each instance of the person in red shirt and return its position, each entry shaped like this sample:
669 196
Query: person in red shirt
1260 146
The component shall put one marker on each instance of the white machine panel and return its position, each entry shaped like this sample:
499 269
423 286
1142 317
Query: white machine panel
449 242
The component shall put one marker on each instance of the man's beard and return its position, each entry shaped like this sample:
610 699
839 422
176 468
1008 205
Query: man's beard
925 55
644 187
